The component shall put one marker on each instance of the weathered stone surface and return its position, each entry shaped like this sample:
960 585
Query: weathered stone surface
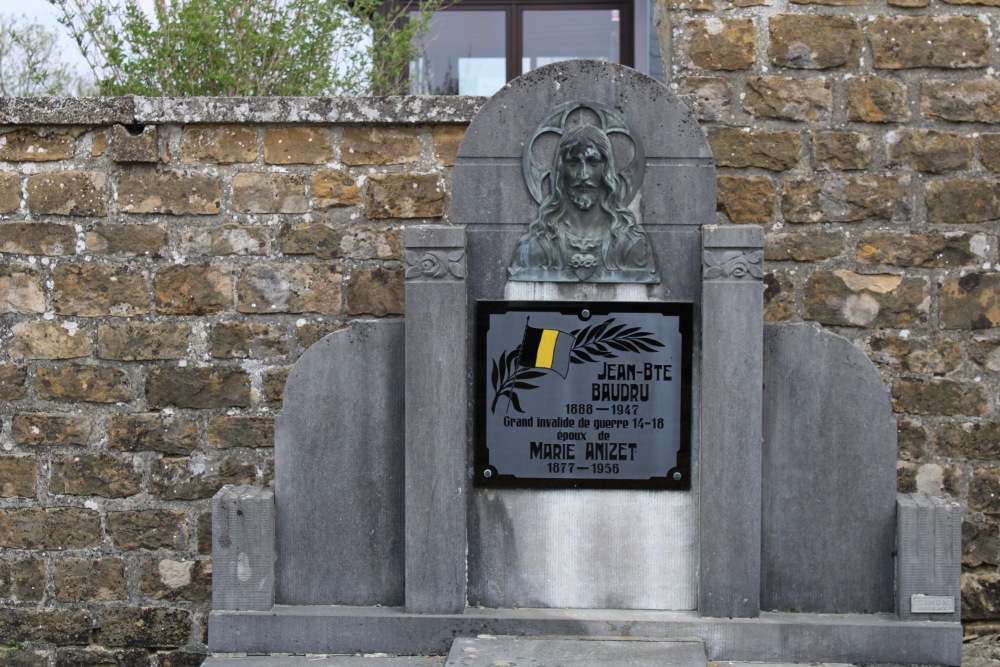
21 289
54 528
707 96
297 145
126 239
148 529
980 542
811 246
404 195
222 144
917 355
911 440
82 382
37 238
177 579
980 596
743 147
77 193
194 289
842 150
47 428
876 100
269 193
380 145
989 151
90 580
204 536
99 657
42 339
903 42
17 478
94 475
784 98
10 191
446 139
155 627
13 381
22 580
310 332
720 44
377 292
938 397
130 144
225 240
240 431
803 41
929 150
205 388
779 296
372 243
28 144
274 385
932 249
963 200
142 341
180 659
144 190
845 298
971 301
334 187
986 352
197 478
746 199
56 626
845 198
972 101
243 340
94 290
289 288
969 440
330 242
984 490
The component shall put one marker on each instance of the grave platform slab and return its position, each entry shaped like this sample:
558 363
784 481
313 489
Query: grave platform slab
535 652
774 637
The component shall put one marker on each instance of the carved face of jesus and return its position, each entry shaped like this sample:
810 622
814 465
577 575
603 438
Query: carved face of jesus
583 173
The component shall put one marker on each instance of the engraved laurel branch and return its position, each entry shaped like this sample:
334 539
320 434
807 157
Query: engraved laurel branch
435 264
737 264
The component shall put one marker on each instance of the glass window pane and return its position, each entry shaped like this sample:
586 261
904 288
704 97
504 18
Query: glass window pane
554 35
464 53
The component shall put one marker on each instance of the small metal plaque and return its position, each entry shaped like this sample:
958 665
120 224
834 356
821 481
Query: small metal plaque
583 395
932 604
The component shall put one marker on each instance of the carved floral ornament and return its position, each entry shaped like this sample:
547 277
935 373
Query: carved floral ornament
734 265
439 264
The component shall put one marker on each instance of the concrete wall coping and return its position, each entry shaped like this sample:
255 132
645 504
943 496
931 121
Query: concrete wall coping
129 110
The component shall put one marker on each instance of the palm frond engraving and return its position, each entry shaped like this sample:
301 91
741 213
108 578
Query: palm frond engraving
506 377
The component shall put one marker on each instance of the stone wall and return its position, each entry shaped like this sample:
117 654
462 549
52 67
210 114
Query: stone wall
164 262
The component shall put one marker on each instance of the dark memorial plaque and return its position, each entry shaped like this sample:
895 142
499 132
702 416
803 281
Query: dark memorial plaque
583 395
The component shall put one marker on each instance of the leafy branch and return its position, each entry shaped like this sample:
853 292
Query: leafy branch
606 341
507 376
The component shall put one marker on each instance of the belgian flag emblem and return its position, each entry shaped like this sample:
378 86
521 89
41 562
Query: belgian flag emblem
546 348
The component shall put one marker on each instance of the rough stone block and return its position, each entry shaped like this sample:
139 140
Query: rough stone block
803 41
917 355
405 195
55 626
931 250
969 440
243 548
226 240
94 475
930 151
747 199
929 551
205 388
298 145
22 580
90 580
379 145
42 339
876 100
845 198
130 240
273 381
47 428
989 151
28 144
707 96
54 528
270 193
13 382
742 148
99 657
143 341
334 187
980 592
248 340
182 580
18 475
938 396
970 101
10 191
240 431
83 382
290 288
154 627
135 143
838 517
377 292
984 351
76 193
148 529
963 200
842 150
197 479
984 491
812 246
720 44
971 301
785 98
904 42
37 238
446 140
194 289
980 542
845 298
145 190
222 144
94 290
